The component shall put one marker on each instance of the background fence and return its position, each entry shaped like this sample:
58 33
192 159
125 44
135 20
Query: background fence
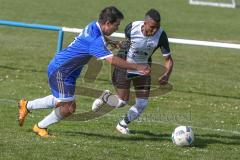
61 31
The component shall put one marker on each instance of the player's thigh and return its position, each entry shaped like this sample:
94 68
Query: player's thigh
142 86
123 94
119 79
62 86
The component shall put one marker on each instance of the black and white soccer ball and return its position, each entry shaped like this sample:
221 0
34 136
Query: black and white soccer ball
183 136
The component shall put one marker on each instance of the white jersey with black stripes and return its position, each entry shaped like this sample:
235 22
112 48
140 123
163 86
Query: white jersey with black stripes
142 47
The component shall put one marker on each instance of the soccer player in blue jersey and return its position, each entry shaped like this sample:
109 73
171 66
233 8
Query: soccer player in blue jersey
146 37
66 67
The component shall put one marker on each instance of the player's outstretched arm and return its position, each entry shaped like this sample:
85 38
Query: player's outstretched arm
119 62
169 66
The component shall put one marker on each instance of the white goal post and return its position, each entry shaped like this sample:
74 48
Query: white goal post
215 3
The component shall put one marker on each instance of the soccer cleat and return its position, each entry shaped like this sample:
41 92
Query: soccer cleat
100 101
122 129
22 111
42 132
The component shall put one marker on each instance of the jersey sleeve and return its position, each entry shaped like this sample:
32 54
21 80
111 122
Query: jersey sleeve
163 44
127 30
99 49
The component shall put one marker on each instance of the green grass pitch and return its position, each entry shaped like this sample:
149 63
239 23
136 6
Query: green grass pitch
206 80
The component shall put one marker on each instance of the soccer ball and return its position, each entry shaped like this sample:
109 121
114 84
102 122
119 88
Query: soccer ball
183 136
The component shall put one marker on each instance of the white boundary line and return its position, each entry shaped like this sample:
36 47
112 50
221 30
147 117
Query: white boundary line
214 4
172 40
205 43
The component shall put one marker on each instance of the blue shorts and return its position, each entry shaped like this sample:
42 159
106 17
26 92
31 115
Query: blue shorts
62 82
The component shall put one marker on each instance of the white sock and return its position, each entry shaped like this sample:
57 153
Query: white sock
42 103
121 103
133 113
130 116
53 117
122 122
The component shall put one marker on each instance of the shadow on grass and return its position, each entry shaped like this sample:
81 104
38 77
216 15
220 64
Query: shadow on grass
202 140
134 136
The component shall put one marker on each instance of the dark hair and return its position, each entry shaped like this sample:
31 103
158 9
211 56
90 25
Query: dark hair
153 14
111 14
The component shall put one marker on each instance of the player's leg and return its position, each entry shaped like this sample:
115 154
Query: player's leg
26 106
142 89
122 86
41 103
63 89
63 110
112 100
133 113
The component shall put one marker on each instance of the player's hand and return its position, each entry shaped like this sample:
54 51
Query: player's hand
115 44
120 44
124 44
144 69
163 80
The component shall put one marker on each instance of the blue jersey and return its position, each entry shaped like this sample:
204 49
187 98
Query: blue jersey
67 64
89 43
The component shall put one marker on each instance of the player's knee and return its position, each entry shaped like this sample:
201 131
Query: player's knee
121 103
68 108
141 104
72 107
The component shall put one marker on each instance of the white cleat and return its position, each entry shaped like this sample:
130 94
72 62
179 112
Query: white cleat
100 101
122 129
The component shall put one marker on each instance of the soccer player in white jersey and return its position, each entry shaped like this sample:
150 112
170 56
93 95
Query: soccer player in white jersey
145 36
66 67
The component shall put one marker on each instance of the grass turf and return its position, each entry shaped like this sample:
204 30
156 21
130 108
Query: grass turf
205 95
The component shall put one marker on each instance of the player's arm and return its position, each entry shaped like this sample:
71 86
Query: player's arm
168 61
119 62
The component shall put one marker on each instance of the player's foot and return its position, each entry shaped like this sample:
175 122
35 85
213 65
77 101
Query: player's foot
100 101
22 111
42 132
122 129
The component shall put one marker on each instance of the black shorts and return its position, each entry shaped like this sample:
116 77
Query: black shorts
122 80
